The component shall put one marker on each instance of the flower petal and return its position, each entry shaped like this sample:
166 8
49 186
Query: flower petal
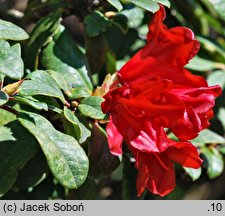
156 173
165 54
114 138
184 153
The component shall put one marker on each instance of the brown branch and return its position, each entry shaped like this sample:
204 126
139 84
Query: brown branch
9 109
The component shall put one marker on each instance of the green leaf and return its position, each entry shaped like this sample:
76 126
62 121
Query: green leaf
208 136
66 159
76 93
6 134
87 191
28 100
51 102
222 150
9 31
11 63
64 57
134 16
82 133
14 155
163 2
91 107
96 48
219 6
2 76
3 98
217 78
33 173
60 80
193 173
146 5
40 35
202 65
215 163
211 46
6 117
129 191
116 4
221 116
121 21
41 83
102 162
96 23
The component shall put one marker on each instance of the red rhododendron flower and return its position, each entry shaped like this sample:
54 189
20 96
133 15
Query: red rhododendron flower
156 92
156 170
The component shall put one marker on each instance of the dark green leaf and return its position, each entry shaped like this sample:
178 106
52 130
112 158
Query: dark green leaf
44 190
121 21
129 191
208 136
215 163
87 191
193 173
9 31
40 35
51 102
11 63
33 172
66 159
82 133
116 4
102 162
96 48
96 23
64 56
91 107
3 98
41 83
14 155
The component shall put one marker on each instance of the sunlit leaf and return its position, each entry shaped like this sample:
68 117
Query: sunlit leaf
116 4
215 164
66 159
91 107
208 136
9 31
82 133
3 98
193 173
11 63
63 56
41 83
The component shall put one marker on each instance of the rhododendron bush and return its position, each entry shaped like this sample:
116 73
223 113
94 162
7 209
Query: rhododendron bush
112 99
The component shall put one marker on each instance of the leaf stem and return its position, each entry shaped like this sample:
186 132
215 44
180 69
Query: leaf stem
9 109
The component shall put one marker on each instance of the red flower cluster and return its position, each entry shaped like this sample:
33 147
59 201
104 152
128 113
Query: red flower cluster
156 92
